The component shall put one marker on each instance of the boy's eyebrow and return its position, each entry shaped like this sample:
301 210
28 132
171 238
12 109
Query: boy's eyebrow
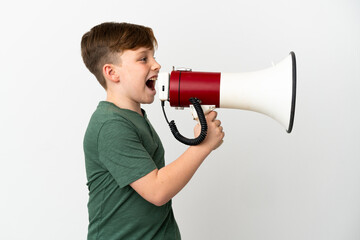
144 51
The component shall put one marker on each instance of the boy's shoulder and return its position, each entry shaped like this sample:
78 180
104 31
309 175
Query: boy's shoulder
108 119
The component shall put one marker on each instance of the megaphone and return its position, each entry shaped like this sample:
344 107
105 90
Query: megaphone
271 91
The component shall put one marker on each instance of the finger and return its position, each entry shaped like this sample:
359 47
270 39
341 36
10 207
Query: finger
211 116
217 123
221 128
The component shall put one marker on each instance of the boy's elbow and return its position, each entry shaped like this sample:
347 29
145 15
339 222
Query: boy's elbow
159 200
152 190
154 197
159 204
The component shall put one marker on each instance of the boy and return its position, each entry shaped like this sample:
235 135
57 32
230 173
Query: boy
130 189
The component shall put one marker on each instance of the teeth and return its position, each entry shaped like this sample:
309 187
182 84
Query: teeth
153 78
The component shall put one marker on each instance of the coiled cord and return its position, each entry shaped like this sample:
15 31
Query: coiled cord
195 141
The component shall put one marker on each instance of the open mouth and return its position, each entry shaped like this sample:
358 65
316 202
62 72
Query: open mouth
150 83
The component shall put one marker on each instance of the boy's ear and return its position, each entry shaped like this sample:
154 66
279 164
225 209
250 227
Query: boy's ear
111 73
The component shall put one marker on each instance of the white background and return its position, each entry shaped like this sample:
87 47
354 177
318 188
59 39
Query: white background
261 184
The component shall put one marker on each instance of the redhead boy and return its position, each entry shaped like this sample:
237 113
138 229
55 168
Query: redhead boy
130 188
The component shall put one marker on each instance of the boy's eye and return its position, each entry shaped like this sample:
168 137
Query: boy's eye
144 59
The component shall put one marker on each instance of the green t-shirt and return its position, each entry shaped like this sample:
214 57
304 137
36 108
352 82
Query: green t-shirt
120 147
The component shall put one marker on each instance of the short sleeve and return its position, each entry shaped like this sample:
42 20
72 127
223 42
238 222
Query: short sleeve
122 152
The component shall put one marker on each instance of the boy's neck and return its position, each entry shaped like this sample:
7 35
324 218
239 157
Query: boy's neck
136 107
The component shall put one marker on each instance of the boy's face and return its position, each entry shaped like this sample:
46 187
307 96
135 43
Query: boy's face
138 71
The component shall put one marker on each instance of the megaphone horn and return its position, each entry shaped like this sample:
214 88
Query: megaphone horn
270 91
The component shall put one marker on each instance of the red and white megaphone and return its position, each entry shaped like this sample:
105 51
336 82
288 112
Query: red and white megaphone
270 91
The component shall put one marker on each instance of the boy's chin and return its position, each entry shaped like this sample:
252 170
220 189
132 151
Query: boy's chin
149 101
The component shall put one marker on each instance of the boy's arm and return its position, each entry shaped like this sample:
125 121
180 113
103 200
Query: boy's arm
159 186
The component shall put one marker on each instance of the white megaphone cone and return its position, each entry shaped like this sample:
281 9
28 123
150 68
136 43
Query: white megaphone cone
271 91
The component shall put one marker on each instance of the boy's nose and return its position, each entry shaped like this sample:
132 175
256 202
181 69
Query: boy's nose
156 66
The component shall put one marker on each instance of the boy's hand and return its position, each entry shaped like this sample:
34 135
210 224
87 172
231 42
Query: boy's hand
215 134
